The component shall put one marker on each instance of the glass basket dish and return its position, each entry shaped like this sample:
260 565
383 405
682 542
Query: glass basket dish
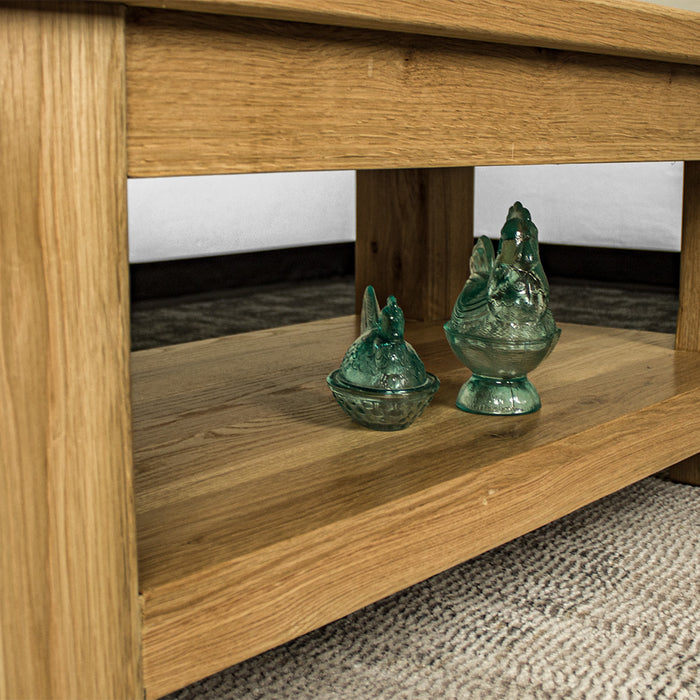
382 383
382 409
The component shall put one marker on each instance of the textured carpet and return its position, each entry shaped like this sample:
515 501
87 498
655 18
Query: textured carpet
604 603
215 314
183 319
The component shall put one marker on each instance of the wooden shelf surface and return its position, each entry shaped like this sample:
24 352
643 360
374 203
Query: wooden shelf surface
263 512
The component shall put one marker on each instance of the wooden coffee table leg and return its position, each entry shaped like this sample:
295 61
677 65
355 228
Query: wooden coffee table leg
414 237
687 471
688 331
69 608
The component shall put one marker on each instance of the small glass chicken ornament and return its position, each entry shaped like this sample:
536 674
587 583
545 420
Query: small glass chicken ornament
382 383
501 326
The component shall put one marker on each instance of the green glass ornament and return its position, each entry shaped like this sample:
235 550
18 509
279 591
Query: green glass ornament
501 326
382 383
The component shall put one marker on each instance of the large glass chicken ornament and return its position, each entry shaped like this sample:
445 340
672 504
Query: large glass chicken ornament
382 383
501 326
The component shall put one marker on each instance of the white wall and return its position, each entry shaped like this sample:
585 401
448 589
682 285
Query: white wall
617 205
182 217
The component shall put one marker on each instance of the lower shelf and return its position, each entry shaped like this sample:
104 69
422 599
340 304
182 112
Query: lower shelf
263 512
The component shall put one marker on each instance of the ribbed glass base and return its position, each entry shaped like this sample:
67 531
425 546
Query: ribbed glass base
498 397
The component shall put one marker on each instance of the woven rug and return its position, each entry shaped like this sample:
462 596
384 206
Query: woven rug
603 604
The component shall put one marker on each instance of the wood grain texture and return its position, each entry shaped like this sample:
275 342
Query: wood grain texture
688 330
257 495
615 27
414 237
210 94
69 624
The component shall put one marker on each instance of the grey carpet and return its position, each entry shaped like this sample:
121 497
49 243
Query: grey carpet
212 315
604 603
183 319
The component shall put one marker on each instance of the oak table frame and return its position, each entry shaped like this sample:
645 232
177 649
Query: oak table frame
117 579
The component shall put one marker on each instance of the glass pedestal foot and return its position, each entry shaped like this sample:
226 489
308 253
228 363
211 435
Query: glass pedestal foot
498 397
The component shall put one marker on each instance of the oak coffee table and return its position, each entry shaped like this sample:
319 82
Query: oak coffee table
169 513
